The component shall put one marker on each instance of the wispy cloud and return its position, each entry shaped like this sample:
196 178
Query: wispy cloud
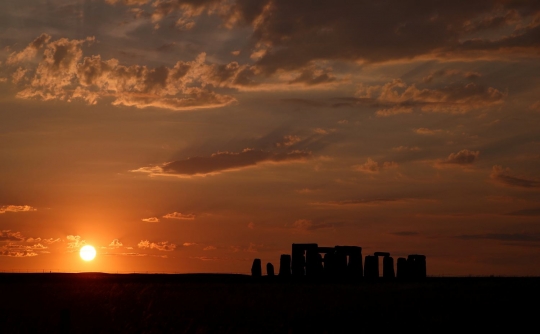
16 208
517 237
74 242
223 161
371 166
163 246
504 177
179 216
532 212
7 235
150 220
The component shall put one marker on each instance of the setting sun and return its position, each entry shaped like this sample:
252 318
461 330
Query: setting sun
88 253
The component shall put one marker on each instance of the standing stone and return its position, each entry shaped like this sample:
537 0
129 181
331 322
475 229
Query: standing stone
285 265
371 267
402 268
256 269
388 267
340 261
329 267
269 269
298 260
354 267
313 261
416 266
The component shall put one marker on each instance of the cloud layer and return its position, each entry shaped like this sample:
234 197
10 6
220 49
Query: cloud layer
224 161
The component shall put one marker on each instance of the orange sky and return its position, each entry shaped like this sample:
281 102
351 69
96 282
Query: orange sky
196 135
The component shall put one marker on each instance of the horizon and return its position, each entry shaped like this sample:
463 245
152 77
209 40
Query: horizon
193 136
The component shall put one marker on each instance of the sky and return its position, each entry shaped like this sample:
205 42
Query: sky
197 135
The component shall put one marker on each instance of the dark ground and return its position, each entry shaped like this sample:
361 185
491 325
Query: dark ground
197 303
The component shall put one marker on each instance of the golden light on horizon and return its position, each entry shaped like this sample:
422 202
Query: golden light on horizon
87 253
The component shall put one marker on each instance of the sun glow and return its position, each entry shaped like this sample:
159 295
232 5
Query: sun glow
88 253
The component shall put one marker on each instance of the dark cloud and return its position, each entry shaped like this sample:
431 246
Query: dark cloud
375 201
224 161
516 237
503 176
291 35
308 225
312 77
405 233
450 73
525 212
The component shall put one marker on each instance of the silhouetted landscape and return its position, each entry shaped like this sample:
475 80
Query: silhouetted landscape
219 303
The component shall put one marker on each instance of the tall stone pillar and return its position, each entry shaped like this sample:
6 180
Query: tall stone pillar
340 261
298 260
329 267
371 267
402 271
256 270
269 269
388 267
313 261
354 267
285 265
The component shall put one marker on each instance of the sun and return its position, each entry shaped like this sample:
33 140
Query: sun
88 253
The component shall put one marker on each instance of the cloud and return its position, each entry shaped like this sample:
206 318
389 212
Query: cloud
516 237
178 215
289 140
504 177
17 253
358 202
223 161
293 35
64 74
461 158
163 246
251 225
188 244
7 235
308 225
456 98
451 73
115 244
395 110
372 166
313 77
405 233
16 208
74 242
426 131
209 248
535 106
533 212
30 51
406 149
46 241
126 254
17 250
150 220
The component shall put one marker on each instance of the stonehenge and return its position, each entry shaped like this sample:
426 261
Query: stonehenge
312 261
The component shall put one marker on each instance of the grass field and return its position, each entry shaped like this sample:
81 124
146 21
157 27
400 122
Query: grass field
101 303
